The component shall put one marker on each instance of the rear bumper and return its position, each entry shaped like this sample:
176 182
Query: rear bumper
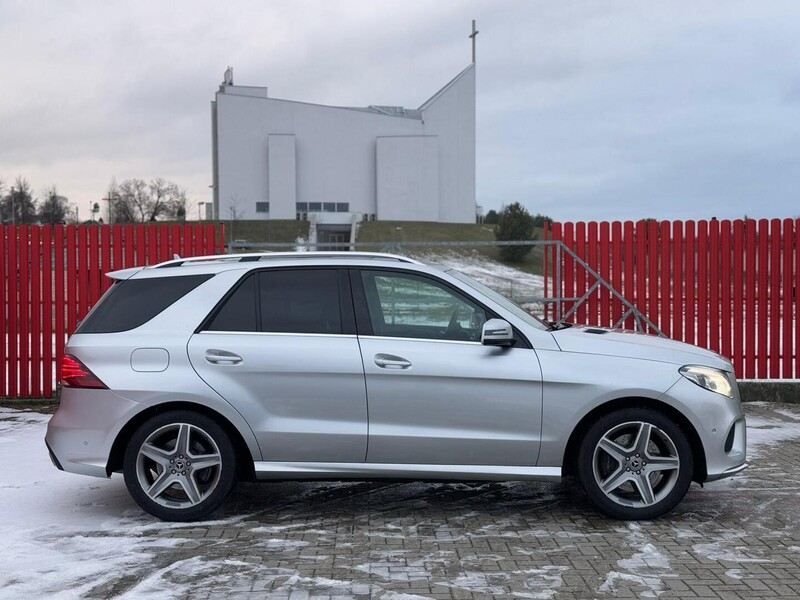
83 429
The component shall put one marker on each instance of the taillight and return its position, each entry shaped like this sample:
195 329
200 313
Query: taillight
76 375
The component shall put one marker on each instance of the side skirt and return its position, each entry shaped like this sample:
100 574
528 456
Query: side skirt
324 470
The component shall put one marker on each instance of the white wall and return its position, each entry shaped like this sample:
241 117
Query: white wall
335 155
408 178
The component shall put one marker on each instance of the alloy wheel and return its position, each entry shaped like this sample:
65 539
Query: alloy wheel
179 465
636 464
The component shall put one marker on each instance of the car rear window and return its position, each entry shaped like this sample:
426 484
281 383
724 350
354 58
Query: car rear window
133 302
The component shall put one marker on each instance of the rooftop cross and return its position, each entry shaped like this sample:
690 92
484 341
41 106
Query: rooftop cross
473 35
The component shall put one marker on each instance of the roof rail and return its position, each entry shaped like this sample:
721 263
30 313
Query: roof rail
258 256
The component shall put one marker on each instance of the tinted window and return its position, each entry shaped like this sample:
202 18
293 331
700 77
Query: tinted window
239 311
133 302
402 305
301 301
262 207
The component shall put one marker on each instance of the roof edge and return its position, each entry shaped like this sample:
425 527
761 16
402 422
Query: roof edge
446 87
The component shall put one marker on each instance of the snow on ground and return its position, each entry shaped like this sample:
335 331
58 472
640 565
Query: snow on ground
765 432
509 281
646 567
63 534
68 536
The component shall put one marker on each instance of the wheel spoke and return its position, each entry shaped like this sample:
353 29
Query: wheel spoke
189 486
616 479
203 461
643 438
182 442
613 449
662 463
162 457
162 482
645 488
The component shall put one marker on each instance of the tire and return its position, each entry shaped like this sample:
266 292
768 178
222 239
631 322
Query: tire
629 476
180 466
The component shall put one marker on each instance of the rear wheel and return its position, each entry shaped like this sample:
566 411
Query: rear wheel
635 464
180 466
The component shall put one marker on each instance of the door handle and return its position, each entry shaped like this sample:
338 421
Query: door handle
222 357
390 361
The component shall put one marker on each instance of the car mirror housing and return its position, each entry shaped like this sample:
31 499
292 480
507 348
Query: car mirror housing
497 332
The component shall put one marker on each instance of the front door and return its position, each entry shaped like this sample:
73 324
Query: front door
436 394
282 350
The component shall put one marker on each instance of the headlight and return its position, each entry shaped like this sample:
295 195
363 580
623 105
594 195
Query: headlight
713 380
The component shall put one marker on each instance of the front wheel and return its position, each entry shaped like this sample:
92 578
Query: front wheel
635 464
180 466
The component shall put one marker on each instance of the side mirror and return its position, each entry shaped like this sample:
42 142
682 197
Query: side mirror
497 332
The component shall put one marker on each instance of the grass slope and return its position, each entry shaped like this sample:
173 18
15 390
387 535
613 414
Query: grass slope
382 232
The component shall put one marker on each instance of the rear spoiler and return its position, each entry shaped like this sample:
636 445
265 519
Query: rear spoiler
123 274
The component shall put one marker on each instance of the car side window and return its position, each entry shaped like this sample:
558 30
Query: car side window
406 305
300 301
239 311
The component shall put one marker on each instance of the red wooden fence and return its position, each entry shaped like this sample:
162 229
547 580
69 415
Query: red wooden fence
53 275
730 286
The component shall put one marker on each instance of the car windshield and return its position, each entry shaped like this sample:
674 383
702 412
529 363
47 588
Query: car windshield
510 306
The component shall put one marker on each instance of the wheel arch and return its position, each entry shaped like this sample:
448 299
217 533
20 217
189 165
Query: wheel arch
245 468
569 464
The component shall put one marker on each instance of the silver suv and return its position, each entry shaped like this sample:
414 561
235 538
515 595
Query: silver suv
196 373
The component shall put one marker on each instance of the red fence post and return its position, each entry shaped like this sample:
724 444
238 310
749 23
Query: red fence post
678 254
775 299
796 299
569 267
604 269
5 334
763 300
665 279
725 249
34 358
713 285
592 304
750 252
787 290
690 326
737 352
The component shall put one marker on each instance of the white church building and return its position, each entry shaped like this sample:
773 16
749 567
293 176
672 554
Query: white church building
337 165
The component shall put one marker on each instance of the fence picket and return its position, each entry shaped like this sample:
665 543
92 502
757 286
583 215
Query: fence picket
53 275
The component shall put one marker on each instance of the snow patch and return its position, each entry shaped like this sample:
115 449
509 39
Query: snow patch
720 549
734 573
647 567
765 432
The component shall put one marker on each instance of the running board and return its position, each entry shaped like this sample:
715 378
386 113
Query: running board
325 470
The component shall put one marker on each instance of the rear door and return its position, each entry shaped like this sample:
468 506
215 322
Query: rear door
282 349
436 394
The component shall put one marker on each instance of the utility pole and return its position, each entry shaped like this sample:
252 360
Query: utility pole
472 36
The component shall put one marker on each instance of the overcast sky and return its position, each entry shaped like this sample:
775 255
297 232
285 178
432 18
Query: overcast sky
586 109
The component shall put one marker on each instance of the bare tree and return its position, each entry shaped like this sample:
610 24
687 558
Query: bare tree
136 201
236 214
53 208
18 206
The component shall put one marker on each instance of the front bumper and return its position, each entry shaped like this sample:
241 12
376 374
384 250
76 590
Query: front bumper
729 473
83 429
720 425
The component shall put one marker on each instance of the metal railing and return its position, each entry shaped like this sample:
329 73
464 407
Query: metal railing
560 311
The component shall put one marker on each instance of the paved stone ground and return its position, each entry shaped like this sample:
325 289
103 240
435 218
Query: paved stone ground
404 541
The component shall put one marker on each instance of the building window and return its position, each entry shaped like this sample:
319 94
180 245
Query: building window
262 207
342 207
301 207
315 207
